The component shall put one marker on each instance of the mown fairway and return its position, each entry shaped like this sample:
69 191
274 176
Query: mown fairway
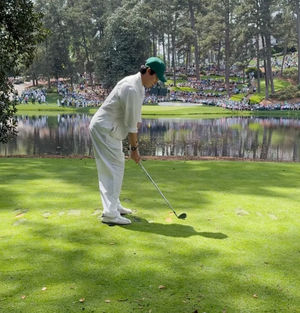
238 250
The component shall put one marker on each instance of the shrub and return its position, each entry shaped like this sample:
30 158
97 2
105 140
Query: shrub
291 73
253 70
287 93
182 76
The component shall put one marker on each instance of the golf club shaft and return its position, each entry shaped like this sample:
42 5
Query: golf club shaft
153 182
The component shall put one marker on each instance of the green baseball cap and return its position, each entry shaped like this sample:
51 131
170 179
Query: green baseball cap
158 66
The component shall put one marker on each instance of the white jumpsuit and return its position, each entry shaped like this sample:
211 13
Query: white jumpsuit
118 116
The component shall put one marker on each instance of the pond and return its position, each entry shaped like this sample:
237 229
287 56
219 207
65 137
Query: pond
276 139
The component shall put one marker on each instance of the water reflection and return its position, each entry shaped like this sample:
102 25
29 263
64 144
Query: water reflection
255 138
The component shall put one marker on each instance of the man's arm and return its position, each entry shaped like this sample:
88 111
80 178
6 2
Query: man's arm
133 143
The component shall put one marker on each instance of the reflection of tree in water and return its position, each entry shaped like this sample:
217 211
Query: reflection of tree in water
257 138
225 137
62 134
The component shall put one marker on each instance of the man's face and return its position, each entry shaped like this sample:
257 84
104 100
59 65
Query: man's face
150 80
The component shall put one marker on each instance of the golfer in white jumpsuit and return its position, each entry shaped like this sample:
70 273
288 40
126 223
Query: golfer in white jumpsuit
119 116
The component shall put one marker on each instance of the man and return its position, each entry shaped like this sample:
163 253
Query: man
118 117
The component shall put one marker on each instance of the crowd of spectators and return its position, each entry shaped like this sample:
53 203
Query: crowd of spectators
291 60
226 103
245 105
209 90
79 95
33 96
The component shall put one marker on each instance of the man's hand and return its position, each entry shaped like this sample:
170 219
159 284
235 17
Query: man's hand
135 156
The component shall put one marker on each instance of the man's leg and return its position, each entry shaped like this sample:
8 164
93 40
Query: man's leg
110 165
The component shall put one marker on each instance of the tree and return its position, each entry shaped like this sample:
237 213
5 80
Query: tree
297 10
285 34
223 13
266 39
192 13
125 45
20 31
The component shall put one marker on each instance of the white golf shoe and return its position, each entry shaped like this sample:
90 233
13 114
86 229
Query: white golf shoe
124 211
117 220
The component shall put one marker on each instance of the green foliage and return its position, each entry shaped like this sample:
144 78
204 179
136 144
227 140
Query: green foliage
253 70
287 93
182 76
20 31
125 45
290 73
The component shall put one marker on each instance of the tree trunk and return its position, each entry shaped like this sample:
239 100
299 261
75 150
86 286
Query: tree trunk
219 56
168 49
257 63
266 31
298 37
227 46
284 55
154 45
192 16
87 57
164 48
266 69
173 58
187 59
47 65
269 61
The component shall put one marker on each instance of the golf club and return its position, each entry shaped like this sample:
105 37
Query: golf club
181 216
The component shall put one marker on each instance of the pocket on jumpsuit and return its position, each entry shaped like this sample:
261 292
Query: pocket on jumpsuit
117 132
116 136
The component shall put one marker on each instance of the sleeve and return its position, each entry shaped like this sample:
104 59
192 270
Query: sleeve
132 109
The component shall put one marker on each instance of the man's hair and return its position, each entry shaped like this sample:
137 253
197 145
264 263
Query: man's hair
143 70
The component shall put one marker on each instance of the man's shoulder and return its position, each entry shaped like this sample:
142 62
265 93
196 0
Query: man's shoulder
129 80
129 83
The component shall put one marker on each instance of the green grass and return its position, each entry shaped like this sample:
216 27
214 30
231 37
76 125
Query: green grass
279 84
155 111
238 250
185 89
50 108
238 97
188 111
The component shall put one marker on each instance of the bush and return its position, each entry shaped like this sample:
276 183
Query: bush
287 93
291 73
182 76
253 70
277 49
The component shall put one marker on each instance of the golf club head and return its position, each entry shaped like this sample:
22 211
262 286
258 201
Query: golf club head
182 216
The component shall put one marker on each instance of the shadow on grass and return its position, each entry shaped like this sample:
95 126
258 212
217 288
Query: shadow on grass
74 262
170 230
